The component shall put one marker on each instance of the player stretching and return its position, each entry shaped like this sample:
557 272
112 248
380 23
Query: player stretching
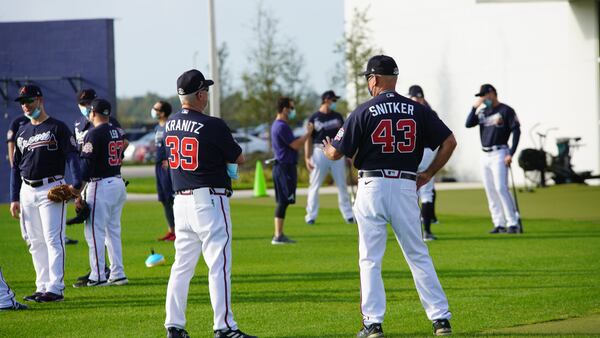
101 155
199 147
43 146
387 135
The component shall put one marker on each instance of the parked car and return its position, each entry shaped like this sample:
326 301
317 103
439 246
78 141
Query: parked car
251 144
142 150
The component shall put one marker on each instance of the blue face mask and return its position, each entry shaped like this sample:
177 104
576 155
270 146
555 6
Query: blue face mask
35 114
292 114
154 114
488 103
333 105
85 111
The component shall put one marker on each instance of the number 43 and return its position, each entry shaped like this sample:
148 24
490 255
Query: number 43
384 135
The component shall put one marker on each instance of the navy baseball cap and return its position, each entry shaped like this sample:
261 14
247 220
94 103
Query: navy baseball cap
85 96
382 65
29 91
192 81
415 91
330 94
486 88
101 106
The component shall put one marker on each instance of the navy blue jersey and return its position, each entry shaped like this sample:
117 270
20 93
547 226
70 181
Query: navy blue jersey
159 142
199 147
15 124
102 151
495 124
82 125
281 138
389 132
43 149
326 124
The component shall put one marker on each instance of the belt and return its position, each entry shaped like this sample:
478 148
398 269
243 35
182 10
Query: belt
43 181
213 191
388 173
95 179
493 148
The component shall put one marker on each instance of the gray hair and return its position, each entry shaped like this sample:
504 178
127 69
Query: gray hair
188 98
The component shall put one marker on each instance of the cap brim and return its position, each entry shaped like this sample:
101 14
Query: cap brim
479 94
24 97
208 83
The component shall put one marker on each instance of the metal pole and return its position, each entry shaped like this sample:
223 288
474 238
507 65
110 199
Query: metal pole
215 92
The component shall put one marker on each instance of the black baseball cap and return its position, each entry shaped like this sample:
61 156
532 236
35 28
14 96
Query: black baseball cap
101 106
415 91
382 65
330 94
29 91
85 96
486 88
192 81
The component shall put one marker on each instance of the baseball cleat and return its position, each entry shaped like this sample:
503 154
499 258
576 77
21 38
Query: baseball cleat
371 331
498 230
169 236
429 237
441 327
69 241
48 297
97 283
513 229
310 222
33 297
173 332
282 239
15 307
81 283
350 220
232 334
118 281
86 277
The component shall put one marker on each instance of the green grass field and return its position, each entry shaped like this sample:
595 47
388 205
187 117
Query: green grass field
311 289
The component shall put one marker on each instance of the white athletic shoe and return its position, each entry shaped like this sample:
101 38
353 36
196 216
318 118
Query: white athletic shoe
118 281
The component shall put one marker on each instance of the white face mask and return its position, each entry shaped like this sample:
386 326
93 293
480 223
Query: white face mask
154 113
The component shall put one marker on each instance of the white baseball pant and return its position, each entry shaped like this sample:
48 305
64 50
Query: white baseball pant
202 227
495 181
105 198
426 191
322 166
7 296
44 224
380 201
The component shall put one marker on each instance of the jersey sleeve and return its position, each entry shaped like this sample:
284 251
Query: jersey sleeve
87 148
512 121
435 131
66 140
231 150
11 134
349 135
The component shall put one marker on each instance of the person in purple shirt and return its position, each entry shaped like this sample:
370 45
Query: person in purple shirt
285 174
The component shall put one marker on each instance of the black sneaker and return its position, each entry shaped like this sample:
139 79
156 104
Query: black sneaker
33 297
81 283
429 237
282 239
350 220
173 332
47 297
97 283
86 277
441 327
513 229
310 222
232 334
69 241
371 331
15 307
498 230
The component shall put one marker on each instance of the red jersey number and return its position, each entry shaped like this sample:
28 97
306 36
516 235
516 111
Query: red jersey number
182 152
384 135
115 152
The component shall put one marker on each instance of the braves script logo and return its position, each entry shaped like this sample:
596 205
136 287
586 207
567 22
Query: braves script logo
327 125
46 139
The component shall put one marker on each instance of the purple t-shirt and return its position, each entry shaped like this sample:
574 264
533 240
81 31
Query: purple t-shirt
281 137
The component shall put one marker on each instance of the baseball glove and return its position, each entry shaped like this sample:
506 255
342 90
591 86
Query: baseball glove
60 193
82 214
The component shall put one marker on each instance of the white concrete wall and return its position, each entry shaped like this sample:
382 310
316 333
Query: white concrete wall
542 57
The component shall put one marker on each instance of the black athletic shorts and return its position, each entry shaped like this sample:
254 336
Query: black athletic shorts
285 179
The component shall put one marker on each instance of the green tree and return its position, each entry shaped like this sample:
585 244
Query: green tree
355 49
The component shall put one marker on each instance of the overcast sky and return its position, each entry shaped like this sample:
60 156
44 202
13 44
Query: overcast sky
155 41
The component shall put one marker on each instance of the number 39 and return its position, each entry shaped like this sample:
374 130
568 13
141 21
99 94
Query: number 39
182 153
384 135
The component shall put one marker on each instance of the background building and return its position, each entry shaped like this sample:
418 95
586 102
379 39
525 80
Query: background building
542 57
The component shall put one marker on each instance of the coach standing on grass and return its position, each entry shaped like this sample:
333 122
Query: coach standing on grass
285 173
199 147
386 136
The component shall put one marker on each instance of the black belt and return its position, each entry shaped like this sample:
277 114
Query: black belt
94 179
492 148
388 173
39 183
225 192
